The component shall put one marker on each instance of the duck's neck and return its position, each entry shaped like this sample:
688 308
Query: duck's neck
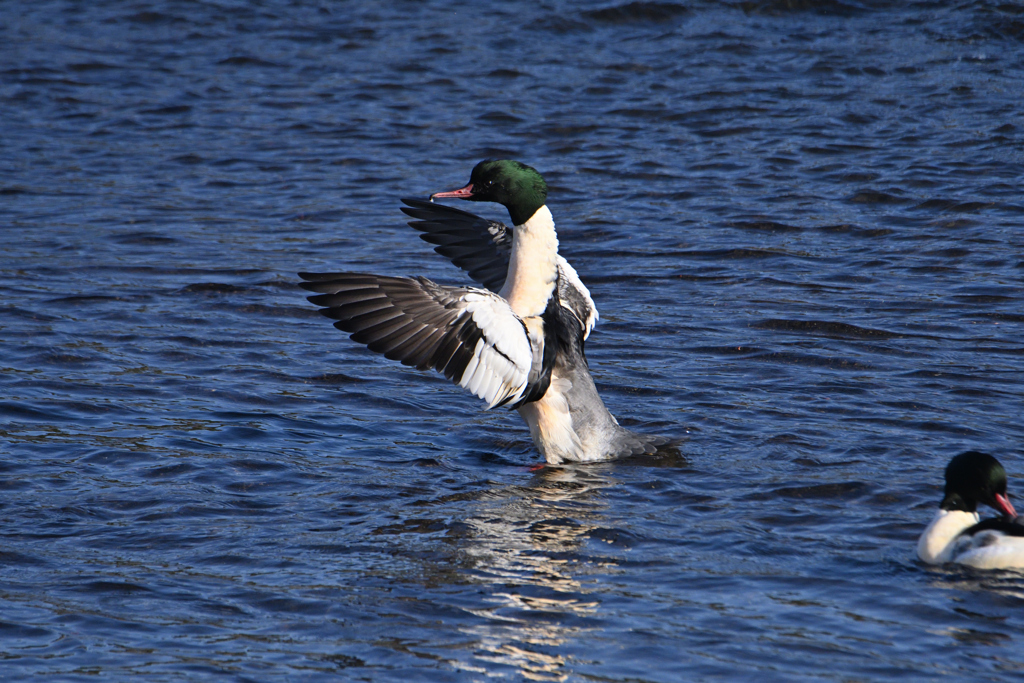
533 265
938 541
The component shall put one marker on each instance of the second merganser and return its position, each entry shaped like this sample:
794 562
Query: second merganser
517 343
956 534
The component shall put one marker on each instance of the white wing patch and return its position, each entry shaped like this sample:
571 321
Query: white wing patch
585 310
501 361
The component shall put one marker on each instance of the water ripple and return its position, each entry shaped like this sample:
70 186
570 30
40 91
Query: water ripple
800 222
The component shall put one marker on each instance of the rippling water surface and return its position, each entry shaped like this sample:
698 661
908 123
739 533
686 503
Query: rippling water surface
802 223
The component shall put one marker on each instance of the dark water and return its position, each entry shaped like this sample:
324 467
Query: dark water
803 225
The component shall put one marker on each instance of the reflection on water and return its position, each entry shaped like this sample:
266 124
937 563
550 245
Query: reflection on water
530 545
534 548
1007 583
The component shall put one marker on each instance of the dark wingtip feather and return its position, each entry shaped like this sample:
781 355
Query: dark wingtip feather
332 282
320 277
413 205
428 210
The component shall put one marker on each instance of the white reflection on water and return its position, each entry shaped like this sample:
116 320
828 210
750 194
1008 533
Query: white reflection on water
529 549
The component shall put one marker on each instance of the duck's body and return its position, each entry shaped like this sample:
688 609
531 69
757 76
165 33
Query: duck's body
959 537
956 535
517 343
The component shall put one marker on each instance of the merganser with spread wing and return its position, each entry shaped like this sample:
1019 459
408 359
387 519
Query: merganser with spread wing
517 343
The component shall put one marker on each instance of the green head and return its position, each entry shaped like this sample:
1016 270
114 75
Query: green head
516 186
973 478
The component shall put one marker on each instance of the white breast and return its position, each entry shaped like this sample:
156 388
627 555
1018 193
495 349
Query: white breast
938 542
532 265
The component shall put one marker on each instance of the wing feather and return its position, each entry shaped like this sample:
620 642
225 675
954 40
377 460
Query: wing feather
479 246
470 335
574 296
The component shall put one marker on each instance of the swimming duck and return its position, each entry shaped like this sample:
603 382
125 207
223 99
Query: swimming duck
957 535
516 342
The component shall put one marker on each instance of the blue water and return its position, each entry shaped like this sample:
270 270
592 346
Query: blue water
803 226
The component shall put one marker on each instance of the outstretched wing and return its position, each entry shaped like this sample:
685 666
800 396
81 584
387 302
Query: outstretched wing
469 334
574 296
479 246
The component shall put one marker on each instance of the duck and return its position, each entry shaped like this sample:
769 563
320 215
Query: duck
957 534
515 341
